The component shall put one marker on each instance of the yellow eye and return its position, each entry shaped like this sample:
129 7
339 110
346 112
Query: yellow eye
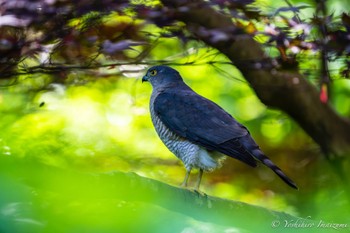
153 72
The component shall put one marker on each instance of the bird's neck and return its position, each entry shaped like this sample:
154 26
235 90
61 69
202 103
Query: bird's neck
172 86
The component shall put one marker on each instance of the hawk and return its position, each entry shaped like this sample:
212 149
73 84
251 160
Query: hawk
198 131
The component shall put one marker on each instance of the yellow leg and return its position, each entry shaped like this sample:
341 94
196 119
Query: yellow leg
184 183
199 179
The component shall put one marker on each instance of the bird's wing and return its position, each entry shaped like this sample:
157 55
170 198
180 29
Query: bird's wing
203 122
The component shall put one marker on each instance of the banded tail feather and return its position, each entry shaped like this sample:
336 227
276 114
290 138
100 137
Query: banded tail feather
254 149
265 160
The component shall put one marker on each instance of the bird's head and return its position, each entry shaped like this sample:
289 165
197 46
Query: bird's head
162 76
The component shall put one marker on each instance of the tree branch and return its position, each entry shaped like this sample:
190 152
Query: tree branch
73 187
284 89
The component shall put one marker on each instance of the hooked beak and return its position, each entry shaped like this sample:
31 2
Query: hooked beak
145 78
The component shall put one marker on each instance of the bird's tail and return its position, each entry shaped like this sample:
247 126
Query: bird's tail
265 160
254 149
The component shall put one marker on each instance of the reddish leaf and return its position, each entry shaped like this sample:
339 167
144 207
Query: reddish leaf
324 93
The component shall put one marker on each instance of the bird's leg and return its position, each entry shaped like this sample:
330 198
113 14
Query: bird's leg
199 179
184 183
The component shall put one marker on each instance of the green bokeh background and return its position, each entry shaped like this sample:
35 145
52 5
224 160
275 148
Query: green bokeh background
104 126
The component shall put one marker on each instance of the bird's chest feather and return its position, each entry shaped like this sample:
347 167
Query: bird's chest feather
191 154
163 131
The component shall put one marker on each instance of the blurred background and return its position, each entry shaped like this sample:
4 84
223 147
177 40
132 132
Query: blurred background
97 121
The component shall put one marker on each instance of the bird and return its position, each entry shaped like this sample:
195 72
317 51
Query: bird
198 131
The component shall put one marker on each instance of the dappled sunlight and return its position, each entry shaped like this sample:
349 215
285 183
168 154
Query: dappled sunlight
84 120
79 152
106 126
275 130
341 100
119 117
250 107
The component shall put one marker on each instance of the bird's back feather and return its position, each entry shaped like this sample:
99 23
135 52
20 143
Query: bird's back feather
203 122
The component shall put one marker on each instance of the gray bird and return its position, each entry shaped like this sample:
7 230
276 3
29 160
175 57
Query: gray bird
195 129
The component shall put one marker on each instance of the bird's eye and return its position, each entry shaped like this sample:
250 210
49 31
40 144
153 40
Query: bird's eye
153 72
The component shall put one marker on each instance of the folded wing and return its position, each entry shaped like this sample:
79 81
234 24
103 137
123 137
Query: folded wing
203 122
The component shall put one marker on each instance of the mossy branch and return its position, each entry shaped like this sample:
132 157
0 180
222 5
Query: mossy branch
130 187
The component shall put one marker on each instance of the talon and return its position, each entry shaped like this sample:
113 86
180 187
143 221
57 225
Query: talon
200 193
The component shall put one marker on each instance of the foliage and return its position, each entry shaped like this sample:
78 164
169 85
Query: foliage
71 98
59 36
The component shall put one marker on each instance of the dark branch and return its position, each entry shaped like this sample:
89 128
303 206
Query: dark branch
285 89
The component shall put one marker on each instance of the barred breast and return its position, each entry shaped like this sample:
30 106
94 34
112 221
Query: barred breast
192 155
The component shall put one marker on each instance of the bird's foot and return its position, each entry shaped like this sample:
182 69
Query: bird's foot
200 193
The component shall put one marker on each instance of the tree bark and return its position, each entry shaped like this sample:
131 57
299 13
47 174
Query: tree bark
287 90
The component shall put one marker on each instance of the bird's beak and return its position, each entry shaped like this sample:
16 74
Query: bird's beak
145 78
